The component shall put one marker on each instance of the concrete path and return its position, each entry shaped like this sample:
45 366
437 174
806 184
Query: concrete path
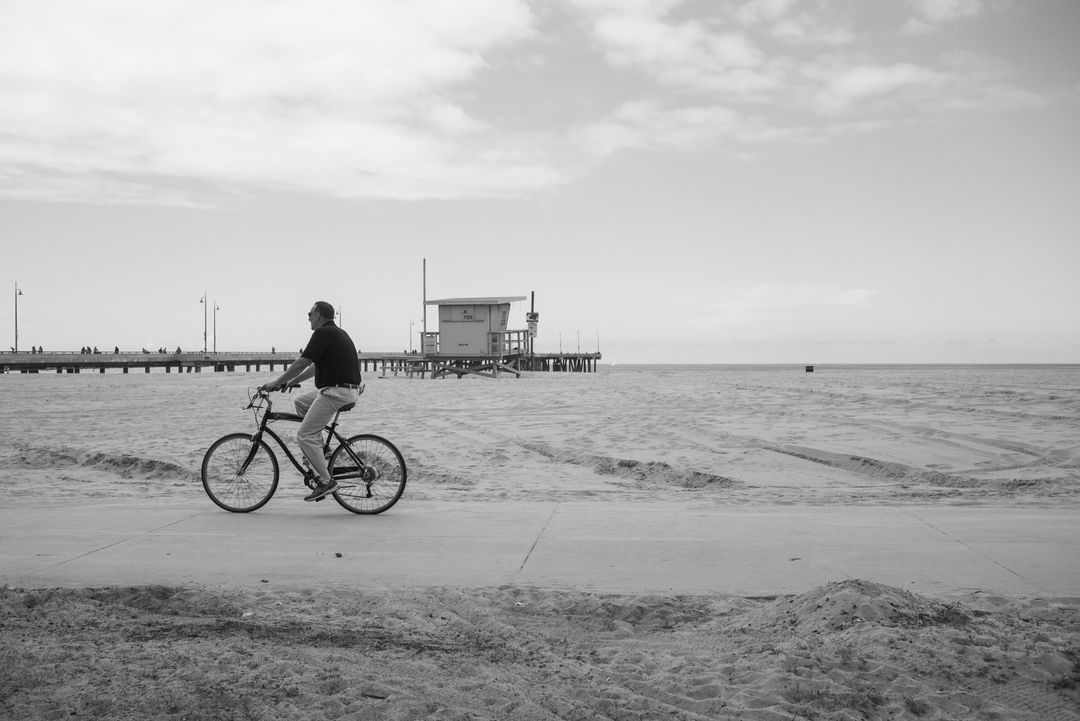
616 547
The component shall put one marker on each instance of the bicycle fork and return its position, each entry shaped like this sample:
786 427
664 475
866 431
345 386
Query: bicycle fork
255 440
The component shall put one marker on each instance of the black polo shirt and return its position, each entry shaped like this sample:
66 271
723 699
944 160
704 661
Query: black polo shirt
334 355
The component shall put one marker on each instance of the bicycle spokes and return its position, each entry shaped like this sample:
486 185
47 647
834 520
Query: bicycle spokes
370 472
239 474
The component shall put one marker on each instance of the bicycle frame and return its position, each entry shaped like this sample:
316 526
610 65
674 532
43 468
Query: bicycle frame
359 471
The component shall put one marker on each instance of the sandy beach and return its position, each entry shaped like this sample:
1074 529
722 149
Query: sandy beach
725 438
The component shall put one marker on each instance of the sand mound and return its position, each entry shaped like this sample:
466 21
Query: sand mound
121 465
875 469
638 473
843 604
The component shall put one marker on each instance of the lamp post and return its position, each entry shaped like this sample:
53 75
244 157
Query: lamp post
204 304
216 309
17 294
410 334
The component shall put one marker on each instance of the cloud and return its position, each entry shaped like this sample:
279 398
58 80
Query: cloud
756 11
327 97
929 15
800 28
690 54
843 86
940 11
649 124
807 30
179 101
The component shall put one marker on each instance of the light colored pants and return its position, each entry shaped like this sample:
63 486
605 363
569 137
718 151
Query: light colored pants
318 408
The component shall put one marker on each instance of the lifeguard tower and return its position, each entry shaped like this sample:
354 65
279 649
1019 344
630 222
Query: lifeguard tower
473 337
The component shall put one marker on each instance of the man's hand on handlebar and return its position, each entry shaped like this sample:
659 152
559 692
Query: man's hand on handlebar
268 388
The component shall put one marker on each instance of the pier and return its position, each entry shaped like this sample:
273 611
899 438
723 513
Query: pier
473 339
383 364
195 362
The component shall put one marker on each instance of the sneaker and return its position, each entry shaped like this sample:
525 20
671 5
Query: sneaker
321 490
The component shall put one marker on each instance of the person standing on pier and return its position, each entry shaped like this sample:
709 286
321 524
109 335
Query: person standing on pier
330 356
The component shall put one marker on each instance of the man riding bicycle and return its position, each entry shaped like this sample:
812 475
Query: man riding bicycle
330 356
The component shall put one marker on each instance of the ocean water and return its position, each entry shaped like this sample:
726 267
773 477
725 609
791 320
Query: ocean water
725 434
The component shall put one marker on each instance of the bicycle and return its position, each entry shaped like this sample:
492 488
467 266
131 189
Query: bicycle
240 470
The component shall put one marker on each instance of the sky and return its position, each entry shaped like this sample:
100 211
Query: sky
757 181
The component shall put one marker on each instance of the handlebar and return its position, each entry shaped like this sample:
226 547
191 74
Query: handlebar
256 396
282 389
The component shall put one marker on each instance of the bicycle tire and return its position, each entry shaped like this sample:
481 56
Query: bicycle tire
376 488
229 484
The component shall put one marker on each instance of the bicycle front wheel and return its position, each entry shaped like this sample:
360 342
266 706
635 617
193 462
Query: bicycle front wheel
370 473
237 476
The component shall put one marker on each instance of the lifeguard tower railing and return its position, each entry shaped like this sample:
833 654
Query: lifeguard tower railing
500 345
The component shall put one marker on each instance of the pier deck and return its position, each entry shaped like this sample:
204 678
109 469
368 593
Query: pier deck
409 364
75 362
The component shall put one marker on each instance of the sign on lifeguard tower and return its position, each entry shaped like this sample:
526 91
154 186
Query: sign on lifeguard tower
531 319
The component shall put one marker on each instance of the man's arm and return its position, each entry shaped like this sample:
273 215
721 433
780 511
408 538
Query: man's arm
309 372
300 370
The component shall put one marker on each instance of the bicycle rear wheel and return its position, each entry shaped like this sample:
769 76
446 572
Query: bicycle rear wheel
233 481
370 473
